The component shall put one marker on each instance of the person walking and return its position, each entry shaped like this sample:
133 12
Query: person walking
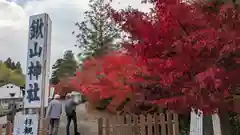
70 109
53 113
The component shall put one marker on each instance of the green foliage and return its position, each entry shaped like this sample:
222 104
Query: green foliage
97 33
9 63
184 123
10 73
121 106
18 67
64 67
12 65
17 78
4 73
104 103
234 123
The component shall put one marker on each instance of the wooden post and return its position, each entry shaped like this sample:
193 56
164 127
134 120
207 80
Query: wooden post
135 125
163 124
100 126
9 128
169 123
40 131
176 124
122 126
149 124
128 125
107 126
156 124
1 128
114 125
143 124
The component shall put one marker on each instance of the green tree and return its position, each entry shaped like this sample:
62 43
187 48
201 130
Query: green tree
64 67
12 65
4 73
9 63
18 67
17 78
8 75
56 70
97 33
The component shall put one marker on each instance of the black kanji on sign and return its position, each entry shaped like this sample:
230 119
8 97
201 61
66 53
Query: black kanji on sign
28 122
28 130
32 92
34 70
36 28
36 51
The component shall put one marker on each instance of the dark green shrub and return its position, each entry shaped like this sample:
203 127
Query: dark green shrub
102 105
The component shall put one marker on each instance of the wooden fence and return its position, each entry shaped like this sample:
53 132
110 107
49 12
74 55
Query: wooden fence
157 124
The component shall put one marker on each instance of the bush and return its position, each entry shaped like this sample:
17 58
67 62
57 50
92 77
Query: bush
234 119
102 105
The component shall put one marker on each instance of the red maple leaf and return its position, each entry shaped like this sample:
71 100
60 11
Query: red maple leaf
179 53
187 46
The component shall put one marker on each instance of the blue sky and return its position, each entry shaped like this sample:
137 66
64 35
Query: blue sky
14 15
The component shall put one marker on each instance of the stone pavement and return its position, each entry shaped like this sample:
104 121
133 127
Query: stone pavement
85 127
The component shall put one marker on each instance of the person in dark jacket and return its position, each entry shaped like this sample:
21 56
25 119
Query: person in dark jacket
70 109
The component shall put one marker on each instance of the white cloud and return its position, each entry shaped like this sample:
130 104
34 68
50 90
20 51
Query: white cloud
63 13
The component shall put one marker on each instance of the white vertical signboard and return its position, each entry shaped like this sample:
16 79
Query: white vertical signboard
26 125
38 61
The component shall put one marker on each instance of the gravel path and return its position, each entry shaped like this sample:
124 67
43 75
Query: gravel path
84 127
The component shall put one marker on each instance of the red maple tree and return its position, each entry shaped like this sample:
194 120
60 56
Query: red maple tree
180 53
110 76
66 85
191 49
